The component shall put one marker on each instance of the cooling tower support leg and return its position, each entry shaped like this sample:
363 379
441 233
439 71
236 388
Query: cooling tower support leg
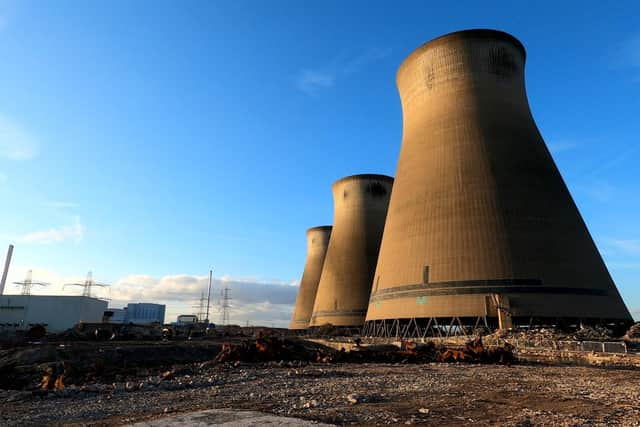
421 328
504 311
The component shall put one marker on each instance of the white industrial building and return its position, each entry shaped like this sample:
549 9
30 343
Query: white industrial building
56 312
141 313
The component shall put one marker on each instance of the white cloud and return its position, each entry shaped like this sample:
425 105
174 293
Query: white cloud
16 143
74 232
56 280
184 287
312 80
252 300
256 302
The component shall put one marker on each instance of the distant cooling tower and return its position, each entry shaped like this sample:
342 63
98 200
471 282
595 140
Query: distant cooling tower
360 208
481 227
317 243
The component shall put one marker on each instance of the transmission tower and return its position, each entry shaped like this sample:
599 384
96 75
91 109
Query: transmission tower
87 285
224 305
200 307
28 283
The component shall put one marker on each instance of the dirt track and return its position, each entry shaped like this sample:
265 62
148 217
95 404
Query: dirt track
385 394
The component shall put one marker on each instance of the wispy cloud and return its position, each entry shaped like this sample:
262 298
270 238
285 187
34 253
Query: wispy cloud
633 50
631 247
624 265
73 232
313 80
557 147
57 204
613 161
359 62
626 56
600 190
16 143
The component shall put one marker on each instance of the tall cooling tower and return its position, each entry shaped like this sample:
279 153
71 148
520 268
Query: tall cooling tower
481 224
360 208
317 243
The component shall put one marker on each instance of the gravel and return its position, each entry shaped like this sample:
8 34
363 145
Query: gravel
361 394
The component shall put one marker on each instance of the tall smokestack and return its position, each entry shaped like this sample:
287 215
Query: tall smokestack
360 208
7 262
317 243
480 219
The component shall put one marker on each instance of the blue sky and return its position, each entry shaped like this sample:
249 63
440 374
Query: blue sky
149 141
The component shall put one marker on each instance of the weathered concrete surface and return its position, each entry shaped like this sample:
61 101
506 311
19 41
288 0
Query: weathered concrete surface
317 243
360 209
478 205
227 417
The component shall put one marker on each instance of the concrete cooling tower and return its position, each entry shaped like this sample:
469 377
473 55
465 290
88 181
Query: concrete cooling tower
360 208
317 243
481 228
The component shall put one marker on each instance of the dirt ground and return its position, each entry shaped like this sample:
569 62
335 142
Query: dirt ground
360 394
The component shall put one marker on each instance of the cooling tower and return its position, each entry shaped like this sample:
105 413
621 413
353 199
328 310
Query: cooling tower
481 223
317 243
360 208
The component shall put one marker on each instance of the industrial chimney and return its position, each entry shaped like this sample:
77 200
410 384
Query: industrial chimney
5 271
317 243
360 208
481 225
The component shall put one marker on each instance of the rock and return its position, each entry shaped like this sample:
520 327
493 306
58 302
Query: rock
353 399
311 404
166 376
90 388
424 410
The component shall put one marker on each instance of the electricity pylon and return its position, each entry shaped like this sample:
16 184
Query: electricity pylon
87 285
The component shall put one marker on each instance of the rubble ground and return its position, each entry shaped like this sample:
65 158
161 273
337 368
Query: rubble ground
110 383
360 394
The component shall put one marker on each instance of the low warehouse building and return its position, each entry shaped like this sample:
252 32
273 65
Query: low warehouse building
136 313
56 313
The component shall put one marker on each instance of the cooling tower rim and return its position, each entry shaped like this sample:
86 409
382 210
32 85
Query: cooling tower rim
320 228
463 34
363 177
